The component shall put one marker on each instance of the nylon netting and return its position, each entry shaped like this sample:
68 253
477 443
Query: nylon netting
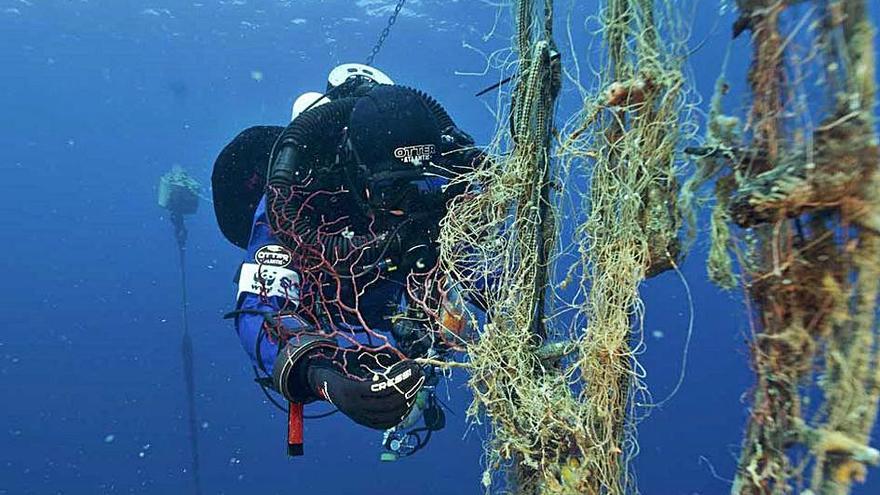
796 211
567 220
567 216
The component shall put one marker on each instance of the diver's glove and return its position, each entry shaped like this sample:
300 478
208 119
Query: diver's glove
375 389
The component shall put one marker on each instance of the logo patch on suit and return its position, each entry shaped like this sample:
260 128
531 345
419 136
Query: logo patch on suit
415 154
269 281
273 255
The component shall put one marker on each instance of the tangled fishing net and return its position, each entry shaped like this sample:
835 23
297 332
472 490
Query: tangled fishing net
797 201
795 221
560 224
560 227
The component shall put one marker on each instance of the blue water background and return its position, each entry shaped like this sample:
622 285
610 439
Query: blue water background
99 98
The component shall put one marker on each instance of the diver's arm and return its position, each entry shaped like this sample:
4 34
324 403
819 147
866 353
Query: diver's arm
305 365
374 388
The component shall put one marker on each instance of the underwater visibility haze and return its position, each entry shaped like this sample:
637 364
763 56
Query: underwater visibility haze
116 381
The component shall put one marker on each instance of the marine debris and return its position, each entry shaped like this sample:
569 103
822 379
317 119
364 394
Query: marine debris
795 223
566 423
798 203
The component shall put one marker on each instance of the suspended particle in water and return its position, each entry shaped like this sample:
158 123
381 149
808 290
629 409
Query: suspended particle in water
109 438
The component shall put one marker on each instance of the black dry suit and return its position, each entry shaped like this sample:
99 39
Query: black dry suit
355 190
364 181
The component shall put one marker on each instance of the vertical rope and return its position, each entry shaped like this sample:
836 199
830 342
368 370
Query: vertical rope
186 348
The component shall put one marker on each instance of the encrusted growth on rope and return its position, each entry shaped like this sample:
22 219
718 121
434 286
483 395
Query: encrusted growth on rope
810 260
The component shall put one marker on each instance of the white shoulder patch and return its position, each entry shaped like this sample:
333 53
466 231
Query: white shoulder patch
268 281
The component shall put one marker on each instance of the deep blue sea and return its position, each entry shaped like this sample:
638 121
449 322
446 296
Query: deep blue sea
99 98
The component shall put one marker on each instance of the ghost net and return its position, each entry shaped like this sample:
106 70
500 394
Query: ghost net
560 229
798 201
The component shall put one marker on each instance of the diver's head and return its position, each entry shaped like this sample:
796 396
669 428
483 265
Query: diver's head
395 141
354 80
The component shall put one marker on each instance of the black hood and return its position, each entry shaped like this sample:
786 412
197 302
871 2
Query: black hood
392 130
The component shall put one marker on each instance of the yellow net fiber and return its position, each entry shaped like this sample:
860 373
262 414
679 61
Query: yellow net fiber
554 370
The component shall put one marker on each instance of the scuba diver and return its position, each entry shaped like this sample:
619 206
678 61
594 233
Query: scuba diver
339 213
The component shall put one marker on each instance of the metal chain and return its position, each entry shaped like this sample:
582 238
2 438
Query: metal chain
385 32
